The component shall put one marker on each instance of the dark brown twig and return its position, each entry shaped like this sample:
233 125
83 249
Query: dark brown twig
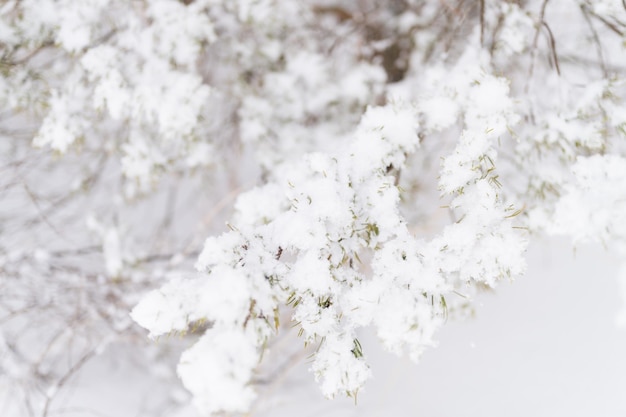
482 22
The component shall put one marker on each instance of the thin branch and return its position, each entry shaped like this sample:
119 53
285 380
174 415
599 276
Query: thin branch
14 313
168 257
553 48
496 31
61 202
168 215
542 14
533 57
41 213
75 252
31 54
454 10
61 382
482 22
278 377
208 219
608 24
596 38
57 336
584 60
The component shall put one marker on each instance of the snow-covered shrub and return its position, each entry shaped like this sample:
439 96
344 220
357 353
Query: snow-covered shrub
385 161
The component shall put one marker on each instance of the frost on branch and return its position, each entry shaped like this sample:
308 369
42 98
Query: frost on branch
329 241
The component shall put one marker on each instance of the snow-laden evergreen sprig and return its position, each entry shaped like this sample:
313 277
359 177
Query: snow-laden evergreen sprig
330 242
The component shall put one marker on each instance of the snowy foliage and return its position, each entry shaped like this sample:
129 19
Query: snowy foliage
384 160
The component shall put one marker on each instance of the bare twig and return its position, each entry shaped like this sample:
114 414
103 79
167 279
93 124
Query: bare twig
542 14
553 48
608 24
533 57
278 377
61 382
31 54
482 22
584 60
76 252
596 39
43 215
217 208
